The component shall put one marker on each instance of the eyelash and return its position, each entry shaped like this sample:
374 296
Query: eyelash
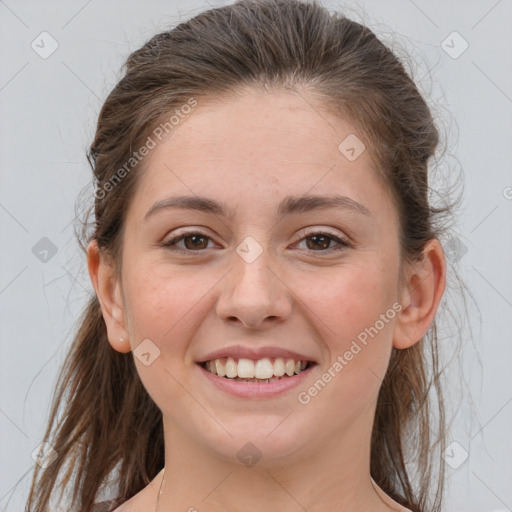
343 244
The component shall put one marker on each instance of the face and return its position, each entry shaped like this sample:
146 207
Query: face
268 276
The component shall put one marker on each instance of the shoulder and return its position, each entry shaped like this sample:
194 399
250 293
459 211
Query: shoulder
106 506
387 500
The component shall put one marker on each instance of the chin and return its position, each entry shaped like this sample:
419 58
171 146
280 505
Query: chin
267 439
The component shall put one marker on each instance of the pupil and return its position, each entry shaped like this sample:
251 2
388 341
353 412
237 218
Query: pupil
321 237
195 238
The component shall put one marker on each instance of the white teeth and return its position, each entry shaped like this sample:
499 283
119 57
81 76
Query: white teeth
289 367
246 369
279 367
231 368
263 370
221 370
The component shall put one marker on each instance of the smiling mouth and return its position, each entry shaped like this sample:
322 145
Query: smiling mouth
260 371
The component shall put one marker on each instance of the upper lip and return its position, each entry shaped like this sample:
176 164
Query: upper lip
241 352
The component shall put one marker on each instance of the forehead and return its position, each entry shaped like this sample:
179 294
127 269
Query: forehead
285 126
255 148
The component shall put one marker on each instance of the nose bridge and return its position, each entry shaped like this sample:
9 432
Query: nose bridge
252 268
254 293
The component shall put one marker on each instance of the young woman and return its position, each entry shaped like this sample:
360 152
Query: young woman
267 270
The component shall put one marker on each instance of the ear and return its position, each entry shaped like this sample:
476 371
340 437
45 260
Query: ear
420 296
106 282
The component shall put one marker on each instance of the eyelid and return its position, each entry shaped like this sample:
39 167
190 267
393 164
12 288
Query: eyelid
342 240
309 231
183 233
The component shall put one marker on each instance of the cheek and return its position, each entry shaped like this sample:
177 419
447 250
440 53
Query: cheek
158 305
166 305
354 313
164 309
347 386
351 299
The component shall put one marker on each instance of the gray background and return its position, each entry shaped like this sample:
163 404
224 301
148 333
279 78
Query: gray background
48 110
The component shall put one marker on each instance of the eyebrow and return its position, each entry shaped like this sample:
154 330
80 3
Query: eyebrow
289 205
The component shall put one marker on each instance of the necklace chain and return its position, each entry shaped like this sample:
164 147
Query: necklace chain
160 490
374 485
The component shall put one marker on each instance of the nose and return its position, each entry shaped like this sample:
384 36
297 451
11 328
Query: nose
254 293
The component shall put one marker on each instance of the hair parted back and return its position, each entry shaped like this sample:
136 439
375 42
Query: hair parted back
103 424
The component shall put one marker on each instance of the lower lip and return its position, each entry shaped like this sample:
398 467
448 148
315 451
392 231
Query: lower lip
256 389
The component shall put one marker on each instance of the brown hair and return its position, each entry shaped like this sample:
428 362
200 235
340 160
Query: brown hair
110 430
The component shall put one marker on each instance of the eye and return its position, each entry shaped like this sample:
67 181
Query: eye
320 242
196 241
193 240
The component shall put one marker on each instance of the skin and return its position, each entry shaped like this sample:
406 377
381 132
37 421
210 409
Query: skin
295 295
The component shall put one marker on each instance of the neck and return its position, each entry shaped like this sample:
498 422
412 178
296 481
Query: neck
316 478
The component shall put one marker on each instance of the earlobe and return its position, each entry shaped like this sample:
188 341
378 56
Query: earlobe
421 296
108 290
